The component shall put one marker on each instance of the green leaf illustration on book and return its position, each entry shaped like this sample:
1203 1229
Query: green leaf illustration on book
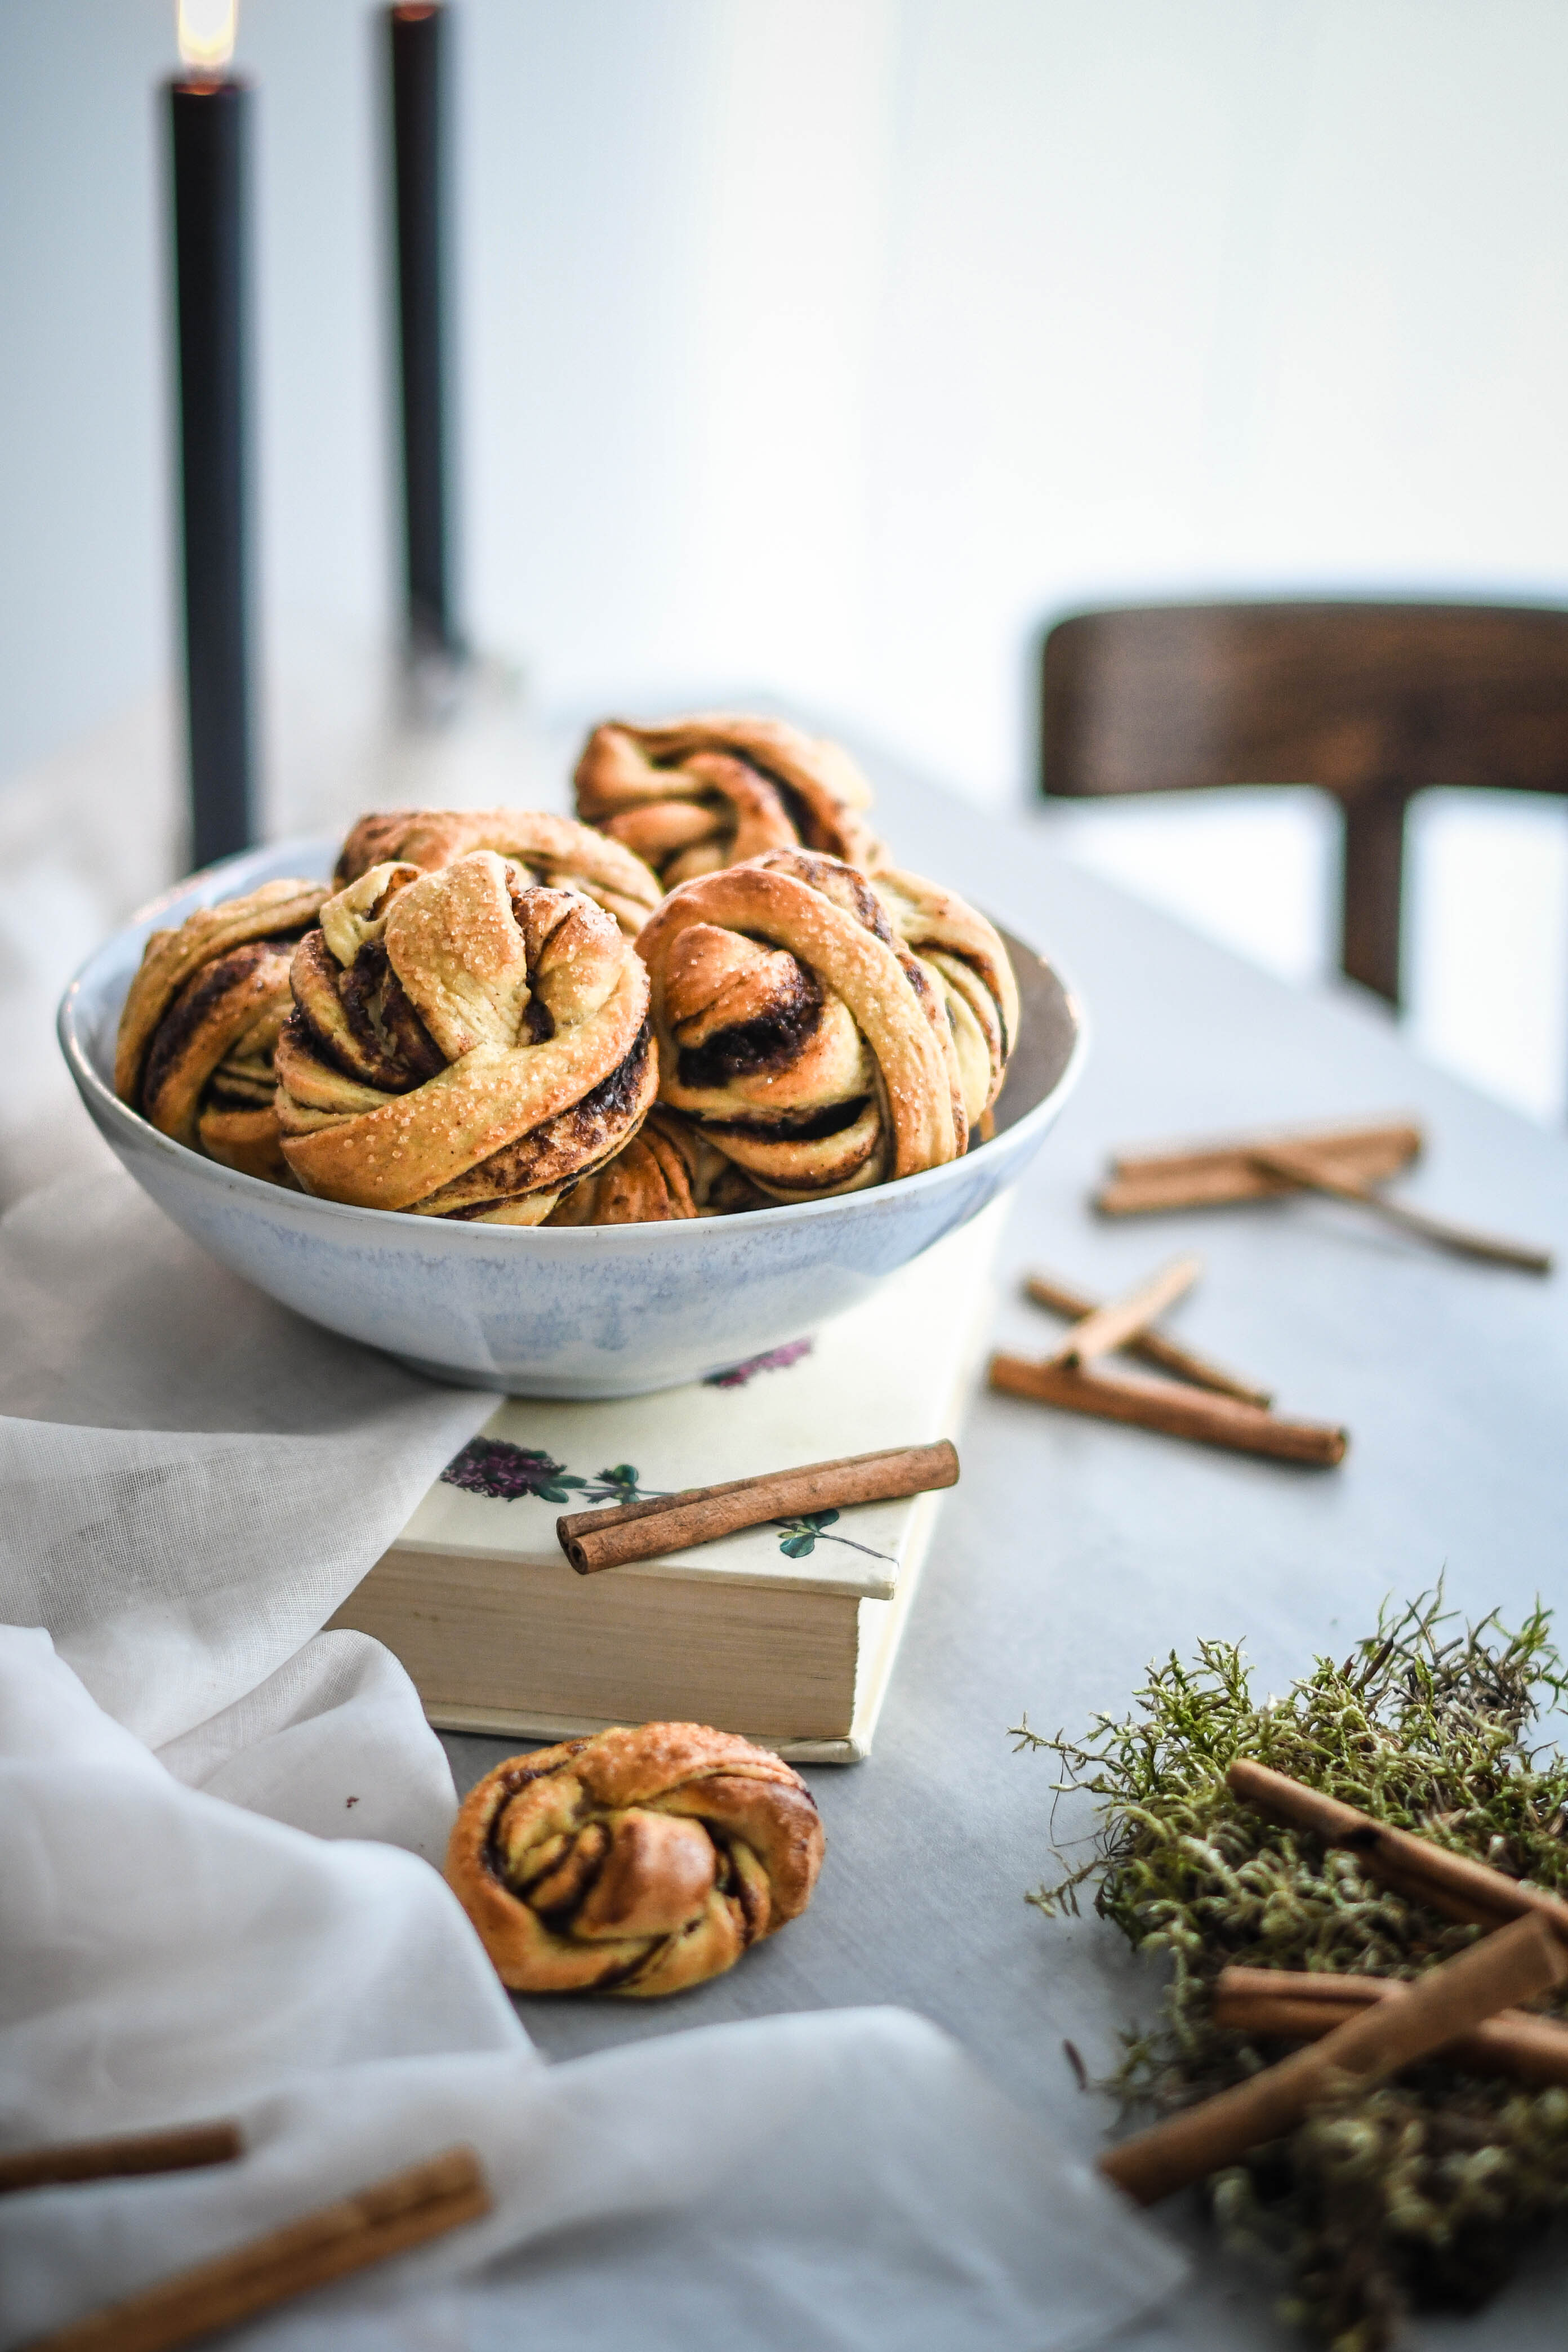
801 1534
618 1485
504 1473
800 1537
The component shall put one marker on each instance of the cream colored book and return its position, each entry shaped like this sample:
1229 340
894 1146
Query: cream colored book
786 1633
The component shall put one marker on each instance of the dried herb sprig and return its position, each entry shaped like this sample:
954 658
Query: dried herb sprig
1421 2194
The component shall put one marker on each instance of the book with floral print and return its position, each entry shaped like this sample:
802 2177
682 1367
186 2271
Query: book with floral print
786 1633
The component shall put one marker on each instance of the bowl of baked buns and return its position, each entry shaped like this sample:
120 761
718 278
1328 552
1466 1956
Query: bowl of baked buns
578 1107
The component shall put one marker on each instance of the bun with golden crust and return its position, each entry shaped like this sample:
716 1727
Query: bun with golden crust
826 1029
638 1862
554 850
200 1025
694 795
465 1044
669 1171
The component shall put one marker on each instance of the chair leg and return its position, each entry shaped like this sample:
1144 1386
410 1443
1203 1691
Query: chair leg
1373 877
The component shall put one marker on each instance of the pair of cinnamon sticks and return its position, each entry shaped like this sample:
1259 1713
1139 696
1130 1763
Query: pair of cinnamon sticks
1302 2005
1466 2008
1202 1401
594 1541
1347 1163
389 2217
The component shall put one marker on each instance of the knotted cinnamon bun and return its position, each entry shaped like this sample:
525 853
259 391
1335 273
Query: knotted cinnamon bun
464 1044
551 849
668 1171
827 1030
201 1021
697 794
638 1862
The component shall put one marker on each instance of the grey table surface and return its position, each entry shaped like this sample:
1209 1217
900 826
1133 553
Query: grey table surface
1073 1552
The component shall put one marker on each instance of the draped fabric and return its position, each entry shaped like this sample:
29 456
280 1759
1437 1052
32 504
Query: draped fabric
217 1828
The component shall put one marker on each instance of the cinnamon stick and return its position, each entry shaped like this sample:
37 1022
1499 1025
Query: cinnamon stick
1316 1176
1519 1961
182 2149
1210 1174
385 2219
1290 2005
1152 1346
1453 1883
1105 1328
594 1541
1176 1412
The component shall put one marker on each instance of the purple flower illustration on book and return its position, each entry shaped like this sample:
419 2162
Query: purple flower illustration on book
504 1473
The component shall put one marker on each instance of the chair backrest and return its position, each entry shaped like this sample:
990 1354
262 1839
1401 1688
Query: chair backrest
1373 702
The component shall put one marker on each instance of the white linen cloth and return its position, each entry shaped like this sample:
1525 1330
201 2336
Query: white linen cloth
211 1819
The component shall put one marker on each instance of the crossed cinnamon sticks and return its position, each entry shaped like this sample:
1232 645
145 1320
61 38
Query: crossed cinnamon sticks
1202 1401
1348 1163
1437 2010
1365 2029
1213 1174
388 2217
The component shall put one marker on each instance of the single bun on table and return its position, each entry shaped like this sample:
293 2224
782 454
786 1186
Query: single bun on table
693 795
201 1021
554 850
638 1862
668 1171
827 1030
465 1044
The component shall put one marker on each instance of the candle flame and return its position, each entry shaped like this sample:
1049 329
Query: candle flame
207 29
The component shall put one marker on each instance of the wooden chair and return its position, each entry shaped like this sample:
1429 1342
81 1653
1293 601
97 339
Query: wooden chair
1373 702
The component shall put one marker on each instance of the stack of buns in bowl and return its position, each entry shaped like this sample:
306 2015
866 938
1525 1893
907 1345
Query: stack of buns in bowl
713 992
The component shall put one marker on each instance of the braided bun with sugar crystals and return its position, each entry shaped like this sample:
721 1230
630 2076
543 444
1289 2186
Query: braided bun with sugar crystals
556 850
824 1029
694 795
200 1025
638 1862
465 1044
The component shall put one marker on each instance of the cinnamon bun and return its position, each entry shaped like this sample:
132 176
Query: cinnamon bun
200 1025
694 795
826 1030
668 1171
638 1862
550 849
464 1044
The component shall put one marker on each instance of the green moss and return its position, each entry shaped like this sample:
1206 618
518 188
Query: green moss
1420 2195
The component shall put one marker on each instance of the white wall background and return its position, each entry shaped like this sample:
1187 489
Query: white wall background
826 346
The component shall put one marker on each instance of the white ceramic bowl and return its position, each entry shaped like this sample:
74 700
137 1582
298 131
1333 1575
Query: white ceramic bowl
589 1311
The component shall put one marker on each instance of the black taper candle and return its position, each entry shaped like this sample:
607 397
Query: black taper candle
420 39
207 120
